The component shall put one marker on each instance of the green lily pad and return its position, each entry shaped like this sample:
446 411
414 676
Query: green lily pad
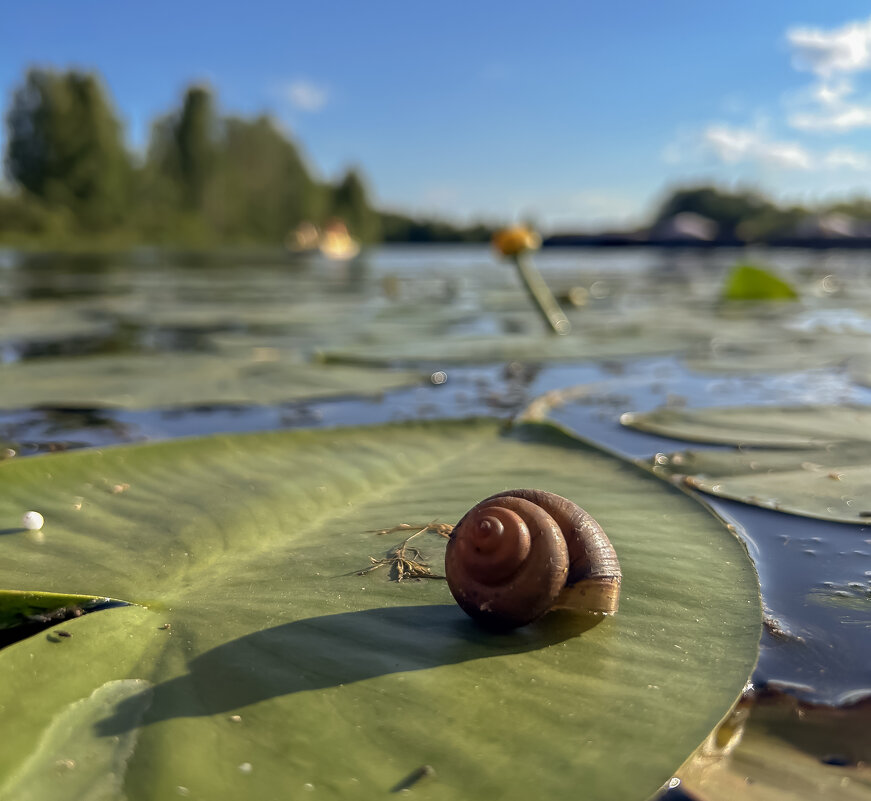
43 320
817 463
483 349
831 483
774 426
776 351
19 608
180 379
282 671
749 282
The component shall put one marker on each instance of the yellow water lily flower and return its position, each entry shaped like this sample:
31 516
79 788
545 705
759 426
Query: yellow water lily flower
514 240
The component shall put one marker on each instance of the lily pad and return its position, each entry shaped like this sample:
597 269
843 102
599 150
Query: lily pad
262 376
20 608
262 666
483 349
818 463
774 426
749 282
46 320
23 614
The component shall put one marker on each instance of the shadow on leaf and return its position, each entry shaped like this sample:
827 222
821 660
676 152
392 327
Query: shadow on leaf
333 650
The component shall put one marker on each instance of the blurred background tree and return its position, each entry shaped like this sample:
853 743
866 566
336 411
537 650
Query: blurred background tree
65 148
205 179
349 202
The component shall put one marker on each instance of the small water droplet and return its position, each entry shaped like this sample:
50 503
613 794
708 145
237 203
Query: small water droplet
245 767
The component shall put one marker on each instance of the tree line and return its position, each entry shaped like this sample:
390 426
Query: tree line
204 179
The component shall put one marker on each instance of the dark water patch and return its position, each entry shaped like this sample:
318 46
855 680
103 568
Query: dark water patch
463 392
815 575
36 623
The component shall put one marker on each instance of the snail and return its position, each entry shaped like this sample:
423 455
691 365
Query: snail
519 554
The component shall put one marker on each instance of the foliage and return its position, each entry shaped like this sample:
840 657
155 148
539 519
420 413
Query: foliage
728 209
813 461
349 202
749 282
397 227
65 147
261 665
206 179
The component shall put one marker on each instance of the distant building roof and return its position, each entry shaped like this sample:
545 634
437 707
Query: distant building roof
831 226
687 226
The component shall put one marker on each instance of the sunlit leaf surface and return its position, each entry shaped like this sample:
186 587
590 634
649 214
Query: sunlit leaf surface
749 282
817 463
261 666
776 426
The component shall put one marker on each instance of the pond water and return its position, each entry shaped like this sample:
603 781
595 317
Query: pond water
653 336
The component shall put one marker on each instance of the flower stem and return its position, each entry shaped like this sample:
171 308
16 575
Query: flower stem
541 295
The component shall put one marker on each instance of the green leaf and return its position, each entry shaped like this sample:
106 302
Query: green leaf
285 670
817 463
46 320
20 608
484 349
774 426
749 282
179 379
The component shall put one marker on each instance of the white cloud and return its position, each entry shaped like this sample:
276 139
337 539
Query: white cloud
828 52
847 158
736 145
752 146
838 117
306 95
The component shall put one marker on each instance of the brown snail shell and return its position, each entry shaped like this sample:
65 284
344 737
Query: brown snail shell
521 553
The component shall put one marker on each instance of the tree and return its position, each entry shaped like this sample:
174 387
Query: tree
196 135
65 146
729 209
349 203
262 188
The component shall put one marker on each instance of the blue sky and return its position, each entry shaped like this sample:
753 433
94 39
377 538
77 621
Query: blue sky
577 113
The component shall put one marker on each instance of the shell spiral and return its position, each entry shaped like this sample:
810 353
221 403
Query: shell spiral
518 554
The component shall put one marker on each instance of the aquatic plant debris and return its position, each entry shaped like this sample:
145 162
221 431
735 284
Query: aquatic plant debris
404 561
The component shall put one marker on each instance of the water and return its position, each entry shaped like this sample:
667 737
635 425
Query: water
57 307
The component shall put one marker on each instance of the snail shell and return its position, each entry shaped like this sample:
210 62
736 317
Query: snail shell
519 554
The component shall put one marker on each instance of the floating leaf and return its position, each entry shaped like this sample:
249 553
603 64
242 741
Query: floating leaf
179 379
19 608
776 426
282 670
482 349
818 463
749 282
